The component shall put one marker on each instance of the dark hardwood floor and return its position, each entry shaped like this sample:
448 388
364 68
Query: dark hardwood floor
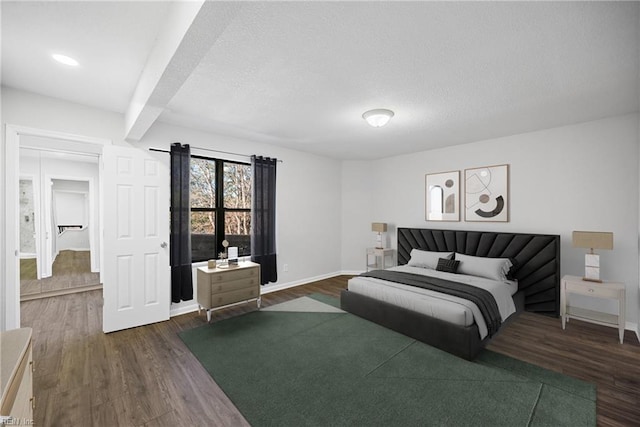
147 377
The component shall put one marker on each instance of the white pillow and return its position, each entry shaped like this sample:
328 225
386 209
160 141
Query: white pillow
427 259
491 268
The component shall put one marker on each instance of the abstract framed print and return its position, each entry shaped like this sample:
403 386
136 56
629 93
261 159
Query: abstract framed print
486 194
442 196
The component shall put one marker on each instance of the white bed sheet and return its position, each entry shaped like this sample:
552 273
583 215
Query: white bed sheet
445 307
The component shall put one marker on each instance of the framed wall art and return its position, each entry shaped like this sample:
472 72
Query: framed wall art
442 196
486 194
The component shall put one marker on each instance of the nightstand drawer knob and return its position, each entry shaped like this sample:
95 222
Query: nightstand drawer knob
591 290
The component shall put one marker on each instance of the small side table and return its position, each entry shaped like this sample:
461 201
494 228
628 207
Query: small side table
609 290
380 256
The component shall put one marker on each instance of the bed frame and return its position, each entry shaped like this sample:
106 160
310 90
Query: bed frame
536 259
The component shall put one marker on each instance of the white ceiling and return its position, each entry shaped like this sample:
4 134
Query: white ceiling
300 74
110 39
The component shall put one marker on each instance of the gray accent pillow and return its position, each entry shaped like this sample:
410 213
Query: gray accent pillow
447 265
427 259
491 268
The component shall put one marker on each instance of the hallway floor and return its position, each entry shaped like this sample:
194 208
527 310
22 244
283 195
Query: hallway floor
71 273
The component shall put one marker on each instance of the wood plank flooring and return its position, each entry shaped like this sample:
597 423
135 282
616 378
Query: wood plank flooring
28 269
71 273
147 377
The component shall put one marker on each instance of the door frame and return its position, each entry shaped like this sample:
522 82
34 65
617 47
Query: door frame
10 292
91 198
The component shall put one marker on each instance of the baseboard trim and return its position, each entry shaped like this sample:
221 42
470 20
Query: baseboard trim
279 287
60 292
629 326
267 290
178 311
351 272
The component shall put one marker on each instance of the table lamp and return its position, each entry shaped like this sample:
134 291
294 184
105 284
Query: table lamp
592 240
379 227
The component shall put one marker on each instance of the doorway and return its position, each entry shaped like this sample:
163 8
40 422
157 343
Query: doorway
55 144
133 227
59 222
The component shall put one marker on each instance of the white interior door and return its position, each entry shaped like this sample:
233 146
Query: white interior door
136 270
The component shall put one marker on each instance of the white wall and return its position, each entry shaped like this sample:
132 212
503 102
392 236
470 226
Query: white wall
70 208
28 109
73 240
579 177
70 202
358 193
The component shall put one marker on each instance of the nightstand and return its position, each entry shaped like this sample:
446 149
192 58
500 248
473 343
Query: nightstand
219 287
607 290
380 256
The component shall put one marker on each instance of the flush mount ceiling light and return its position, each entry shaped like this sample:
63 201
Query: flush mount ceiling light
66 60
378 117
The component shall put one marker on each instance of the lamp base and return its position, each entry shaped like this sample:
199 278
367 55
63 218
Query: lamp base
592 268
379 244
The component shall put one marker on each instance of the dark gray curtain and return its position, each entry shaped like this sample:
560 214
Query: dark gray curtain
180 239
263 217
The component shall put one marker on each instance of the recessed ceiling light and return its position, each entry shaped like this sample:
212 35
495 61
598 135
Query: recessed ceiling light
378 117
66 60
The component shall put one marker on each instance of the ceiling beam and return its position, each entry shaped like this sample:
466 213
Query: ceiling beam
188 34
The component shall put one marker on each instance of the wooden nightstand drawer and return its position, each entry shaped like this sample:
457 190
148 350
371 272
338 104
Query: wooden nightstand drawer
234 285
225 298
595 289
234 274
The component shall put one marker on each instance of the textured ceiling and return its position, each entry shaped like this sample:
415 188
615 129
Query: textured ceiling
300 74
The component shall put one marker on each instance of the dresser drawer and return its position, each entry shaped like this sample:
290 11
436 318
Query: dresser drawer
23 406
234 285
225 298
16 363
596 290
233 274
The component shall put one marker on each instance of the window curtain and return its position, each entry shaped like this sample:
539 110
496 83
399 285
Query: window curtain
263 217
180 239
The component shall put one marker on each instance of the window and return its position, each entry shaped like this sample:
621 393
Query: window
220 207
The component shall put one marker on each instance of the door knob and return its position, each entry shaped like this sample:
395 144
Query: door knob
163 245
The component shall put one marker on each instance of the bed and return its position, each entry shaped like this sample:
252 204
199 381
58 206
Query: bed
534 277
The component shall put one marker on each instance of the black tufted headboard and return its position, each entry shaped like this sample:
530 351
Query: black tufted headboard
536 258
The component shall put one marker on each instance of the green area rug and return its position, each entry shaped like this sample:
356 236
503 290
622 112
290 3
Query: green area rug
288 368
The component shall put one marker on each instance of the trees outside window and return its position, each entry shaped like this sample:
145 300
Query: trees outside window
220 207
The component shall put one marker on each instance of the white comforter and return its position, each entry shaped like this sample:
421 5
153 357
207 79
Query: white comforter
435 304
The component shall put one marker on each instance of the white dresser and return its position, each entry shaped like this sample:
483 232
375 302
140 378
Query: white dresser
16 377
219 287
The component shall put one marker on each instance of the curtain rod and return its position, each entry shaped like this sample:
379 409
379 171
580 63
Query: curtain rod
206 149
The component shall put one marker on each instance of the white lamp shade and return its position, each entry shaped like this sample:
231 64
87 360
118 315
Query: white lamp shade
378 117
